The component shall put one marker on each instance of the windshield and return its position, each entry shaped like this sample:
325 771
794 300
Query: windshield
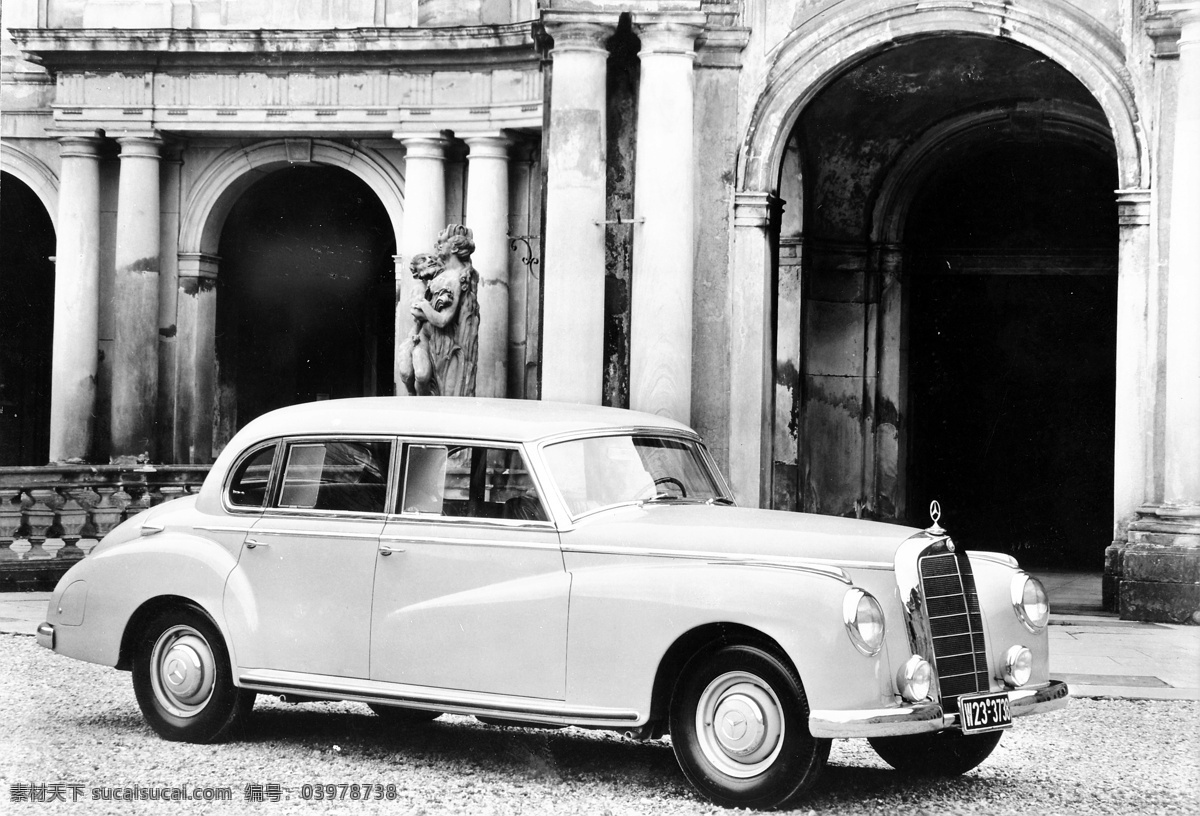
609 470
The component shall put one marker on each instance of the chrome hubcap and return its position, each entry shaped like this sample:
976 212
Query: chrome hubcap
740 724
182 671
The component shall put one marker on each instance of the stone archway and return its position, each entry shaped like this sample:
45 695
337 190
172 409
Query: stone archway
207 205
815 55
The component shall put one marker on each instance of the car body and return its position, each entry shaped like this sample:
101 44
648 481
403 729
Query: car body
554 565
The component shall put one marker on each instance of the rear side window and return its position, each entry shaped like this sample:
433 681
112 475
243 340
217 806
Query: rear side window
248 487
469 481
343 475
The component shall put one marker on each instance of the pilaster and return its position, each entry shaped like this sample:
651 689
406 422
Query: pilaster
196 317
487 216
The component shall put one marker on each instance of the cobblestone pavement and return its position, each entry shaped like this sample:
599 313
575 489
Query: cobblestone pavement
69 723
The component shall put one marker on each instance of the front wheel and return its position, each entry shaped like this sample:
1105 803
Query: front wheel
183 681
739 727
942 753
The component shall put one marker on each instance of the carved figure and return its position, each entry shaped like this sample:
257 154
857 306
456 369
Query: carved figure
441 354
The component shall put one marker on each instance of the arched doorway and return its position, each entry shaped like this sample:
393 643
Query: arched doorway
27 325
984 154
306 293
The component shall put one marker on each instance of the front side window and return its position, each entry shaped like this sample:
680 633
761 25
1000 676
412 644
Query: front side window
605 471
343 475
469 481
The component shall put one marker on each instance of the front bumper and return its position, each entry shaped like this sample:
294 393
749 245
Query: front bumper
45 635
921 718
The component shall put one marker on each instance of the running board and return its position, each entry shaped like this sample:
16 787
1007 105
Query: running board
449 701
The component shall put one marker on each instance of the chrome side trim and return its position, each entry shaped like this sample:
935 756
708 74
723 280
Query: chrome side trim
467 542
836 569
45 635
925 717
315 534
222 528
436 699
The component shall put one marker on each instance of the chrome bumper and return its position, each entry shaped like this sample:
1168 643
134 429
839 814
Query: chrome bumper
924 717
45 635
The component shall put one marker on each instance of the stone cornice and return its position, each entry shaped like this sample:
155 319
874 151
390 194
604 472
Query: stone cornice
59 48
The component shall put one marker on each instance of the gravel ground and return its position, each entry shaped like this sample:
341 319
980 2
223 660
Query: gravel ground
63 721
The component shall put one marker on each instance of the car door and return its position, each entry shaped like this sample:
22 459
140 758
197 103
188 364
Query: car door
470 589
302 585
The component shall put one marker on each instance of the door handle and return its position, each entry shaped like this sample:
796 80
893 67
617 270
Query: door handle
388 549
252 543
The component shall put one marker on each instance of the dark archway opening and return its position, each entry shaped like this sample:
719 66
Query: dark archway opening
306 294
1011 264
26 324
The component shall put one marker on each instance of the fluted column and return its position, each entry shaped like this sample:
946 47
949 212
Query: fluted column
1182 472
660 379
135 344
424 218
76 301
487 216
573 260
750 379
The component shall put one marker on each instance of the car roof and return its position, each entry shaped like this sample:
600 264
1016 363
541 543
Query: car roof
512 420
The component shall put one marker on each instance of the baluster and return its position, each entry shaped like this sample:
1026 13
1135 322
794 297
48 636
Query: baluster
167 492
70 521
106 513
10 522
139 498
39 518
88 498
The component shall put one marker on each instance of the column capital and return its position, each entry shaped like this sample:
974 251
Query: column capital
752 209
668 33
579 31
492 145
198 265
79 147
423 145
1133 207
144 146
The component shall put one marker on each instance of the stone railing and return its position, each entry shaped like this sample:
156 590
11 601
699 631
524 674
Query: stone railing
57 513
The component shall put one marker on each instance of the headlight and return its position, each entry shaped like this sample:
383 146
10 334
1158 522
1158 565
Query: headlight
1018 666
864 621
914 678
1030 602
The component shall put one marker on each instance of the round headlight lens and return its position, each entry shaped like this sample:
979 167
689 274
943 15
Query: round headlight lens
1018 666
864 621
1030 601
914 679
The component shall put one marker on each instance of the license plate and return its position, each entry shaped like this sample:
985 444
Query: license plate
984 712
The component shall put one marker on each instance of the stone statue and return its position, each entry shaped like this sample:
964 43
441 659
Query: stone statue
441 354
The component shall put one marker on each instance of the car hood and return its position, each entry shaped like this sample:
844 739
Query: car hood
698 529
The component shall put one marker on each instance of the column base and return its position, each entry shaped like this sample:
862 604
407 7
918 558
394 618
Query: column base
1154 573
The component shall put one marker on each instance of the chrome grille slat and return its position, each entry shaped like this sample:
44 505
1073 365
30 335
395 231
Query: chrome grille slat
952 609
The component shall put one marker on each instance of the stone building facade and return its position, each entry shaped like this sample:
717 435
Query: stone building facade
876 251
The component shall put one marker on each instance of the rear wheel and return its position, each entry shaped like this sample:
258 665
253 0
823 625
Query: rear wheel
943 753
739 726
183 682
403 716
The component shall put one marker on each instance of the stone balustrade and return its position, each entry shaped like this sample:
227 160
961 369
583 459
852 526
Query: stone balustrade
51 516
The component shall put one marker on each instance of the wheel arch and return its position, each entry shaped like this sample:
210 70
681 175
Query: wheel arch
148 611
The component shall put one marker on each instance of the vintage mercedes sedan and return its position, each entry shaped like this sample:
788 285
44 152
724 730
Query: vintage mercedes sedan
552 565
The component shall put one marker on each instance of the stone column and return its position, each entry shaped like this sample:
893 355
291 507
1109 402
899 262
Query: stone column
195 350
424 218
660 358
573 260
135 344
1182 477
487 216
1160 568
750 380
76 301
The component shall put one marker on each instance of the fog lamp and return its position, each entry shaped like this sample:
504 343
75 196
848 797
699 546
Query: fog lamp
1018 666
1030 602
914 678
864 621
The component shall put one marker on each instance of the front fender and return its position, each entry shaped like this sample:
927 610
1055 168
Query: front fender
624 619
119 580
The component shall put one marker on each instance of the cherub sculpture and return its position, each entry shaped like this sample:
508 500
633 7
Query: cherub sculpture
440 355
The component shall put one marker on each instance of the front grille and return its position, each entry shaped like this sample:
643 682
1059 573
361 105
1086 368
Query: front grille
952 605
